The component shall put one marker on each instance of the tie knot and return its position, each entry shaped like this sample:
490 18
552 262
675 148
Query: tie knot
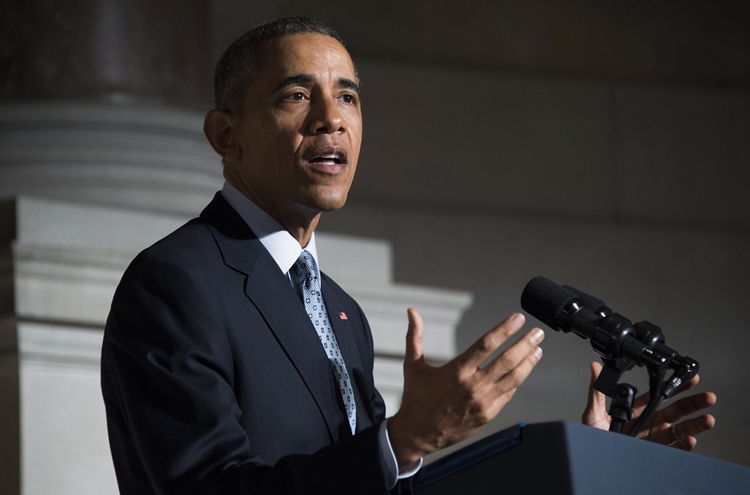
303 270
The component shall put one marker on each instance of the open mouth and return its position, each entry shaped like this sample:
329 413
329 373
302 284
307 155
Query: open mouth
326 155
329 159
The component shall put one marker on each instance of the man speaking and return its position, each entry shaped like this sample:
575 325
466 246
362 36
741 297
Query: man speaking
226 365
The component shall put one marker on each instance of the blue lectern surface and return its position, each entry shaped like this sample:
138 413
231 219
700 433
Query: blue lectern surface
572 459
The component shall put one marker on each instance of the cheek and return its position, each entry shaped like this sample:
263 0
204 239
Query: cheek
355 128
271 134
272 153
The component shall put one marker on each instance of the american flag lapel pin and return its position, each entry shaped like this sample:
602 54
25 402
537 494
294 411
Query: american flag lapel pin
343 316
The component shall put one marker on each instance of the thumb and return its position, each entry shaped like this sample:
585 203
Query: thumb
414 347
597 403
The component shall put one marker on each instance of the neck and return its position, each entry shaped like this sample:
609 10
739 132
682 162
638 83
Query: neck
302 233
299 222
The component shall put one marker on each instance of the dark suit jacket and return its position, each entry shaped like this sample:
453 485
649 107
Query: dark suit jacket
214 379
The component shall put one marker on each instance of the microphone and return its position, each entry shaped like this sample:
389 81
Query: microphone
612 335
646 332
620 343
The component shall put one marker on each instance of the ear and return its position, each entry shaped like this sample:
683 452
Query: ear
218 130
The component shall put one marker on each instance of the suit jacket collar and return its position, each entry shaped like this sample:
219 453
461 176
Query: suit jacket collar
272 294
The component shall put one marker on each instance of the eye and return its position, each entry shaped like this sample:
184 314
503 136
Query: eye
298 96
348 98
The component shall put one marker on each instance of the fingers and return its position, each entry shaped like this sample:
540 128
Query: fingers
596 399
507 384
595 413
666 429
687 406
641 401
491 341
689 384
682 435
519 359
414 335
699 425
688 444
442 405
694 426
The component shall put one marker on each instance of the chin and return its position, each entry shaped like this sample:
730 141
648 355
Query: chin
332 205
328 200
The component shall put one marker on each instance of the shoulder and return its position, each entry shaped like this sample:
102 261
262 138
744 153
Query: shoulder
202 241
187 246
185 255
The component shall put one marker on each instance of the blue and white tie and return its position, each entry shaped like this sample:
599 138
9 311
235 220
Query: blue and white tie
306 275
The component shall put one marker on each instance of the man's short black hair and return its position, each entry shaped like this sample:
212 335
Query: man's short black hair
241 62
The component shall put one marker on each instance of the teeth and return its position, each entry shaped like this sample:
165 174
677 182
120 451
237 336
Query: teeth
329 157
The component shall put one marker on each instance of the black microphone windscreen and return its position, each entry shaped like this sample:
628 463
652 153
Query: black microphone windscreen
545 300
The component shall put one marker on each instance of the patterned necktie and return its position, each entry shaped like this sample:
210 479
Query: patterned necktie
304 274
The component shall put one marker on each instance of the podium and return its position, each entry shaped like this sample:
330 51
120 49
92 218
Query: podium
565 458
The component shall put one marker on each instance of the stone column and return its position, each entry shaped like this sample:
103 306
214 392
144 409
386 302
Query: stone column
109 51
99 102
98 105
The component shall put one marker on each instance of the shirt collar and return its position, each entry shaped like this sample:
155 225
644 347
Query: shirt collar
284 248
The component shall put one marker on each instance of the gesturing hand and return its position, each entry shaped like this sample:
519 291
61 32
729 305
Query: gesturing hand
663 426
444 405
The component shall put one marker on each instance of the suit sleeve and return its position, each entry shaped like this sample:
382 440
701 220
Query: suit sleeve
173 418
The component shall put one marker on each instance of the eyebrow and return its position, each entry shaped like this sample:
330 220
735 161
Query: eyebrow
307 79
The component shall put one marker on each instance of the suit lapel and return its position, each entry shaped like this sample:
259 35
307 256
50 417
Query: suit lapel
285 315
272 294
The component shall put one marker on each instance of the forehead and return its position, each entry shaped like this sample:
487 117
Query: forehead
305 53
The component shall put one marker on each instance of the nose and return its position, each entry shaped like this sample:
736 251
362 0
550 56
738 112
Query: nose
326 117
